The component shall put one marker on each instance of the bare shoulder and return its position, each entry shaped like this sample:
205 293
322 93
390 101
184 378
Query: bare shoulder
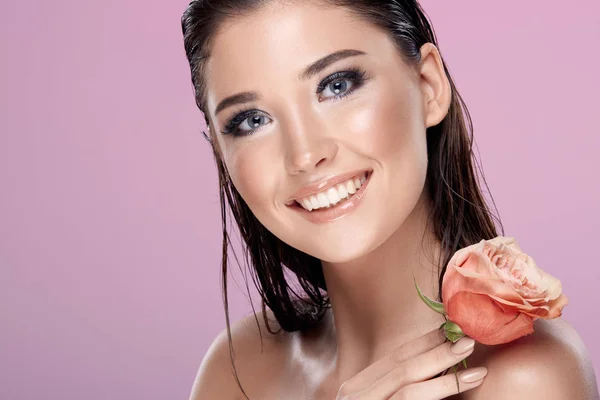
551 363
258 354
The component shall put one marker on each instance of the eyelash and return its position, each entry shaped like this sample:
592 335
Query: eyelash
355 75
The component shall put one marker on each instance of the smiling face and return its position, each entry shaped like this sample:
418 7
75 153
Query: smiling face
360 111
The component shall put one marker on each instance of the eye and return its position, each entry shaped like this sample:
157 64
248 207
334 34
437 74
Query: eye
338 87
342 83
245 122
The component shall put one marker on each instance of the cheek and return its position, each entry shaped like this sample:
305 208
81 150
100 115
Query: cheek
388 126
252 175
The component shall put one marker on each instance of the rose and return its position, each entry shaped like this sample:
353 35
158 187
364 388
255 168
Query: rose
494 292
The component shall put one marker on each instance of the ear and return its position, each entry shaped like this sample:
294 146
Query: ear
435 87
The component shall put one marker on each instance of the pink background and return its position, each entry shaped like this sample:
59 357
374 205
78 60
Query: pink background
109 217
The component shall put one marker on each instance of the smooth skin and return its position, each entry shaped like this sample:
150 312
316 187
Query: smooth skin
378 340
406 372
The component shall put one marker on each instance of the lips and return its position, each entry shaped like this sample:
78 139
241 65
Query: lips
324 185
337 211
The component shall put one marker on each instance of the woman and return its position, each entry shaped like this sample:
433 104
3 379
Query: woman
344 152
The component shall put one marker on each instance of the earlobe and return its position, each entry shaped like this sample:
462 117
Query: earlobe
435 86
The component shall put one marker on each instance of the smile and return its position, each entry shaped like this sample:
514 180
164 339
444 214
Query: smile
334 202
334 195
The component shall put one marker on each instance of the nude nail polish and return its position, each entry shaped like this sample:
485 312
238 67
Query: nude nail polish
473 374
463 345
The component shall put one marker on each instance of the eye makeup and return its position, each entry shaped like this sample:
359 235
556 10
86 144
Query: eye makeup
355 75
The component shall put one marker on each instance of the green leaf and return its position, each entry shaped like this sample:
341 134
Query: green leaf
434 305
453 331
452 327
453 337
464 363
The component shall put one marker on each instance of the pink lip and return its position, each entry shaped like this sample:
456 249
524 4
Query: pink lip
321 216
324 184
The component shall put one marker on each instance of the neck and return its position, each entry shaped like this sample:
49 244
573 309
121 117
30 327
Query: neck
374 303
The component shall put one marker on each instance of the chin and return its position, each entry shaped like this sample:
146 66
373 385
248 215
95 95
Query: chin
341 254
346 245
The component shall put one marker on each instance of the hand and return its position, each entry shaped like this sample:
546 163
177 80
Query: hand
406 372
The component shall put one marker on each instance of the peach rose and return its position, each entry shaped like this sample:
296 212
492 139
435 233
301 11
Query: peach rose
494 291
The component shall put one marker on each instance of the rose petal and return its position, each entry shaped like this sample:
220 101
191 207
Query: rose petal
458 279
507 241
482 319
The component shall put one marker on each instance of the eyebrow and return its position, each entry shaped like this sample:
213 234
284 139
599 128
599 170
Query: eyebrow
307 73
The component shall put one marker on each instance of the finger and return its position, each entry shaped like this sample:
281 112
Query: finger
418 346
420 368
400 354
445 386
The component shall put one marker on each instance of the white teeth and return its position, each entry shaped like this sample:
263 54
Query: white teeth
323 200
307 204
314 202
333 195
342 191
350 187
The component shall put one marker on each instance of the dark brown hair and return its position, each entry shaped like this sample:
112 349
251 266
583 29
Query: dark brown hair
460 215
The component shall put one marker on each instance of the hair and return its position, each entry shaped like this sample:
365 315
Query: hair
460 215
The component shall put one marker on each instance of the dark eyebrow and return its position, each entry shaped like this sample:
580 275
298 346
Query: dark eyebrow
309 72
240 98
326 61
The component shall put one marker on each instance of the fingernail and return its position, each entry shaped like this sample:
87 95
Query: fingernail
463 345
473 374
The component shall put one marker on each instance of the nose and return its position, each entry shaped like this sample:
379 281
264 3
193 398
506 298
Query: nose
307 147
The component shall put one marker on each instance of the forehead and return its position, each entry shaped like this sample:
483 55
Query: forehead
276 42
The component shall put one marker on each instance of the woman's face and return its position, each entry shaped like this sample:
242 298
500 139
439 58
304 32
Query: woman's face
363 114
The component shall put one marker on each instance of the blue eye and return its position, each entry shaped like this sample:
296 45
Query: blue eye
338 83
341 84
245 122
